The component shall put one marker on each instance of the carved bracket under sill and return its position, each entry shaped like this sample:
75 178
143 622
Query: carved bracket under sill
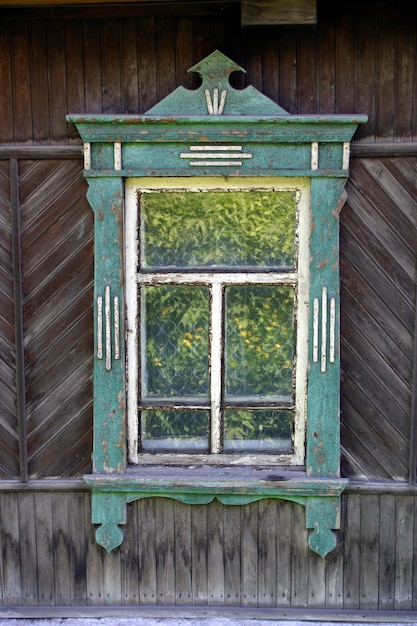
112 493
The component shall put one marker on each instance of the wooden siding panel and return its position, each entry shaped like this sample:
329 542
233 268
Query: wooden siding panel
361 58
374 560
57 284
40 81
9 445
6 81
378 270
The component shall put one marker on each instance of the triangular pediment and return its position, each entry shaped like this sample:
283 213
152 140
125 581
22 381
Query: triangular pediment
216 96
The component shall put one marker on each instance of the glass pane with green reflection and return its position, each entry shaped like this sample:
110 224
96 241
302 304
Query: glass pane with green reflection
186 431
217 229
259 342
175 341
260 430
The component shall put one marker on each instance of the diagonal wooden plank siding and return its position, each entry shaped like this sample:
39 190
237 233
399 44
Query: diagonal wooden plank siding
211 555
378 269
57 267
9 447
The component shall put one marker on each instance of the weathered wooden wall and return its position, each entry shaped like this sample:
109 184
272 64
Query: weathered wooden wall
360 58
211 555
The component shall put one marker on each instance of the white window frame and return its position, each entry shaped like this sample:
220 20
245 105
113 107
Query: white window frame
299 278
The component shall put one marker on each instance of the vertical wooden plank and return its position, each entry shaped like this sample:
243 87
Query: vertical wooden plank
57 81
78 534
299 558
129 66
345 60
249 555
334 576
204 38
11 549
94 560
254 58
404 533
326 61
288 69
387 552
271 64
267 553
200 542
45 549
147 551
351 531
6 93
22 83
63 571
184 54
284 550
414 553
166 79
111 65
19 347
28 538
369 546
215 553
183 554
39 74
385 94
366 70
129 557
307 71
316 581
112 578
405 74
146 63
74 58
232 555
92 66
165 550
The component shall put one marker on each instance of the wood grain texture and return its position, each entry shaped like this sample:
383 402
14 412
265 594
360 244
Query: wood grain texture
378 269
373 565
9 443
57 286
360 59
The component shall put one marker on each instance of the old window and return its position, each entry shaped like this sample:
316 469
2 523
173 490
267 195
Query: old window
217 311
216 303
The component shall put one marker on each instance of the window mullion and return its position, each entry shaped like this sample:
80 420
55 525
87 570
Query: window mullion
216 349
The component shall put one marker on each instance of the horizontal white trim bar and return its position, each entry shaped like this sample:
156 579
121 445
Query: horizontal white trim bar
204 278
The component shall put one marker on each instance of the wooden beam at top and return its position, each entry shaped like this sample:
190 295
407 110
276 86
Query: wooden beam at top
265 12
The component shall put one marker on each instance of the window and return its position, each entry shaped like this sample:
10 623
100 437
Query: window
217 310
216 232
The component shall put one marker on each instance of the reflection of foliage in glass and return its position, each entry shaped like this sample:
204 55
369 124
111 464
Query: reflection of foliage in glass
259 428
218 228
175 430
259 340
177 340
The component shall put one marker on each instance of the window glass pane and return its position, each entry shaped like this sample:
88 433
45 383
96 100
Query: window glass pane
257 430
259 342
217 229
175 339
175 431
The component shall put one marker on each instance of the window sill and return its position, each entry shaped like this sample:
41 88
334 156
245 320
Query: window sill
242 481
229 485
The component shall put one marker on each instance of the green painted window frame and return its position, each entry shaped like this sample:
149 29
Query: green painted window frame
212 131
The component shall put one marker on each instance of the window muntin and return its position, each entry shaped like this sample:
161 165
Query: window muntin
260 410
